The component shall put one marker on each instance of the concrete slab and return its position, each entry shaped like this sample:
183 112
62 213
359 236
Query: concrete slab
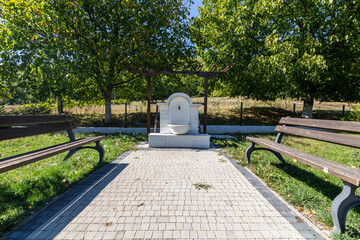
222 136
165 140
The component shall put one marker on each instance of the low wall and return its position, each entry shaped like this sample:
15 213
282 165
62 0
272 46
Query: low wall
211 129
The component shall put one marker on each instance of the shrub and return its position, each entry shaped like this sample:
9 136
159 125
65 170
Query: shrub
353 115
2 110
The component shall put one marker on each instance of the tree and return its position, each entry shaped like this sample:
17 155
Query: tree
299 49
102 39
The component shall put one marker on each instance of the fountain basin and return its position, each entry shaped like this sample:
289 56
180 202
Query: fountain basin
178 129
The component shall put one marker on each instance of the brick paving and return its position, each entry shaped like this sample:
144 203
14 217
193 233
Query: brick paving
152 193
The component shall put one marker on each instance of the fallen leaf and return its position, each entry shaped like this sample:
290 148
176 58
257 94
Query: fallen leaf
300 209
15 178
298 219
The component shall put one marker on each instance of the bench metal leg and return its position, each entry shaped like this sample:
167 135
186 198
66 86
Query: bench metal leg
248 152
70 153
342 204
101 151
98 148
253 148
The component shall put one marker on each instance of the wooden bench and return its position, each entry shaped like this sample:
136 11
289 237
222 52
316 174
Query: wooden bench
22 126
316 129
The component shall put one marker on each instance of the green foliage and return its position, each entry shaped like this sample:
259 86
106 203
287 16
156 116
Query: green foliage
26 189
353 115
308 189
2 110
298 49
84 48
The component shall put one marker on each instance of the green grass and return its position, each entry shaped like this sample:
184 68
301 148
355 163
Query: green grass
308 189
28 188
200 186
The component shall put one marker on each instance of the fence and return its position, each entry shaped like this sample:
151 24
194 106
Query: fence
226 111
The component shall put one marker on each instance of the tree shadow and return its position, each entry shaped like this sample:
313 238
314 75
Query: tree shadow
49 222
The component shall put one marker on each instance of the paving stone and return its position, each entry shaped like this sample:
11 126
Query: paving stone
152 194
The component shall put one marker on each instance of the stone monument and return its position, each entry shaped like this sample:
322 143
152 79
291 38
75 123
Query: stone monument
179 124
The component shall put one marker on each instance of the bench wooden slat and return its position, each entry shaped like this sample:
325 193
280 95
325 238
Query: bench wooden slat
15 162
342 139
336 169
315 159
33 119
345 126
76 143
11 133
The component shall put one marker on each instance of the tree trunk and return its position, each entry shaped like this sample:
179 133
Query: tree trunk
307 108
59 105
108 108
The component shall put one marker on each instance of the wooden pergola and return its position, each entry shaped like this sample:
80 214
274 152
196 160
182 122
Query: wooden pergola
205 74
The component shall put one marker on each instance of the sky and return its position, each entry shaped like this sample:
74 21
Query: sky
193 10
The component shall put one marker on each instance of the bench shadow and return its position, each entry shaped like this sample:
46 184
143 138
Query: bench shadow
50 221
327 188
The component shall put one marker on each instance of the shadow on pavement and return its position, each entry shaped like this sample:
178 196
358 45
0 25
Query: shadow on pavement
54 218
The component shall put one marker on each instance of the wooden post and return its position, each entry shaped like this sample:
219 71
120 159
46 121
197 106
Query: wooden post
148 103
59 105
241 113
205 103
156 117
125 114
294 111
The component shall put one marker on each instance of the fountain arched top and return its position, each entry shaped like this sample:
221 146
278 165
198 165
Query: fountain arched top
174 95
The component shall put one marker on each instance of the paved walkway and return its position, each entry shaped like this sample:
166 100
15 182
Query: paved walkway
154 194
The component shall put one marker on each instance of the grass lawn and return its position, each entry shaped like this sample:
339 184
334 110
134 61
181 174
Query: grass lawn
26 189
309 190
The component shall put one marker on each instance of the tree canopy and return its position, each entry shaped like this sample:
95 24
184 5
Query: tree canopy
282 48
97 41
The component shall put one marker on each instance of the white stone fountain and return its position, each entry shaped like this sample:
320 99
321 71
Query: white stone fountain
179 124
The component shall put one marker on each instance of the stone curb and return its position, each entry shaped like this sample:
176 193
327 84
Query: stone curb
211 129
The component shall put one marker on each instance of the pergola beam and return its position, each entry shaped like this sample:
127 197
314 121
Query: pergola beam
205 74
148 78
156 73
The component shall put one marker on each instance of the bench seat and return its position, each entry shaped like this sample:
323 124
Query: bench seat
13 162
322 130
346 173
12 127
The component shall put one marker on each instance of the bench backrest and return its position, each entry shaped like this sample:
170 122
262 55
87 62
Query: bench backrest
334 125
23 126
